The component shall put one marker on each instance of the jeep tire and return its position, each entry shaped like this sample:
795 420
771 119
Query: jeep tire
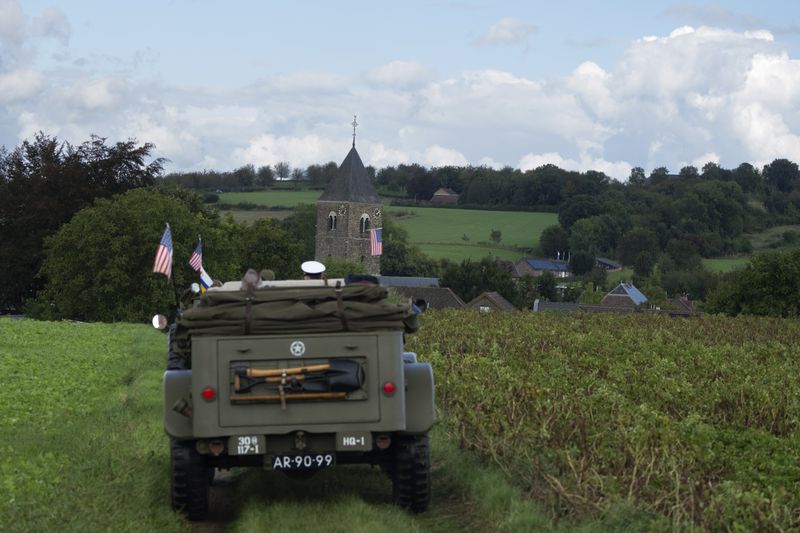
189 480
411 472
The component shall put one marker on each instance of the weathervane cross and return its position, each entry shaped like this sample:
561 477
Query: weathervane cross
354 124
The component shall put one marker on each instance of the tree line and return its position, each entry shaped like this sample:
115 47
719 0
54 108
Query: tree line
79 225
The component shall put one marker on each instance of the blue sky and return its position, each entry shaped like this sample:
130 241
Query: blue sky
585 85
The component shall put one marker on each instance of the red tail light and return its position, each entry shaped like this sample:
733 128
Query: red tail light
209 394
388 388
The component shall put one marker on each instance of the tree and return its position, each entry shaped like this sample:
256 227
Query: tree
98 266
658 174
265 176
683 254
43 182
282 170
782 175
496 236
576 208
635 242
637 176
301 226
245 176
581 263
769 285
469 279
644 263
546 286
553 239
689 172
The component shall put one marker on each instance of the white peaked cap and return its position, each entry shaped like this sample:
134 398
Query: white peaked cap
312 267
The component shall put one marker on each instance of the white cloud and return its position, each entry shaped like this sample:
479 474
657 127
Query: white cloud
438 156
507 31
619 170
378 155
489 162
268 149
19 85
308 81
52 23
94 94
399 74
12 23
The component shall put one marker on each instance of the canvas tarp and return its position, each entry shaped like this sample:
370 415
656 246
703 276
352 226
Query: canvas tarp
293 310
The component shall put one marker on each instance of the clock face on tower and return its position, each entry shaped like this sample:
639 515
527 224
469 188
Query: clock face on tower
342 209
377 212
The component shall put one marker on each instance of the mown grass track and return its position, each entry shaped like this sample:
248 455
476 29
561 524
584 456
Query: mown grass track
83 449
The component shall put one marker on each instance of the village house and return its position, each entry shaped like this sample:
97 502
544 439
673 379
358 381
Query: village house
624 295
426 293
536 267
444 196
491 301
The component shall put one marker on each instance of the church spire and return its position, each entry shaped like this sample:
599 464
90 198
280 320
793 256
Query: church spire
354 124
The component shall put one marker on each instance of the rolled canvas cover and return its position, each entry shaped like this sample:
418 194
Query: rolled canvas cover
311 309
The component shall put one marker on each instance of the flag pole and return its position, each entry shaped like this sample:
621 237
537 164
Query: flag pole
172 279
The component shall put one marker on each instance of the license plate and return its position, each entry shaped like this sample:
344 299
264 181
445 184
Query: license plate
308 461
246 445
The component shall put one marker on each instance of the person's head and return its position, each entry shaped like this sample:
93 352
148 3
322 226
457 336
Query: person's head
312 270
267 275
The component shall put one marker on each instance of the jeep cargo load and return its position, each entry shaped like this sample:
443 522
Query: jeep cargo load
296 376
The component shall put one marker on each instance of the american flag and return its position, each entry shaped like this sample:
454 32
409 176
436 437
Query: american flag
163 261
375 243
196 260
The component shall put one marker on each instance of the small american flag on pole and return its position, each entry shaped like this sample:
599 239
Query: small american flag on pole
375 242
196 260
163 261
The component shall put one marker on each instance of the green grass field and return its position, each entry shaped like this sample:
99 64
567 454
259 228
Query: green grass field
726 264
459 252
272 198
439 226
83 449
438 232
773 238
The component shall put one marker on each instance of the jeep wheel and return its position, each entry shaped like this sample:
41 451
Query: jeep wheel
411 473
189 480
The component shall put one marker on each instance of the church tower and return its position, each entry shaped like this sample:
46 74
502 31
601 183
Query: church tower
346 211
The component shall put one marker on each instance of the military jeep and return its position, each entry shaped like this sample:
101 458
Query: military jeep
295 376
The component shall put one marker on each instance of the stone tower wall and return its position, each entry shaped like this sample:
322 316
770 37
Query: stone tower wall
347 242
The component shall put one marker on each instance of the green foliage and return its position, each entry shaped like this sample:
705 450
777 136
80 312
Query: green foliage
43 182
469 279
769 285
690 423
636 241
301 226
401 258
546 286
581 263
553 239
98 266
496 236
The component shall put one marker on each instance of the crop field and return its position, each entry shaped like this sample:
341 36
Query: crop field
686 423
